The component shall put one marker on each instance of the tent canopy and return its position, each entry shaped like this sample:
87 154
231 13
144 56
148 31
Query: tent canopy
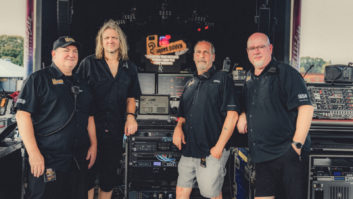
8 69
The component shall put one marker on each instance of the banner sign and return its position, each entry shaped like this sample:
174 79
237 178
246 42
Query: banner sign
28 44
295 51
162 52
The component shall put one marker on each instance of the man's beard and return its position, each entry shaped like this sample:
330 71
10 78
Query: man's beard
259 64
201 66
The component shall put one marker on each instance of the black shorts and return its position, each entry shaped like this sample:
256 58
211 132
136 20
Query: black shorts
108 159
70 185
284 177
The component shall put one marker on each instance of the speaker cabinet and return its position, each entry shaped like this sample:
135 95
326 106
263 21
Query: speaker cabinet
339 74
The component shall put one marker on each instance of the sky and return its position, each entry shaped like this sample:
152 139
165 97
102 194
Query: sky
327 30
12 17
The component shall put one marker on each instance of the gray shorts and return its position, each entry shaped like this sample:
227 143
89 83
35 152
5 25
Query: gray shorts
209 179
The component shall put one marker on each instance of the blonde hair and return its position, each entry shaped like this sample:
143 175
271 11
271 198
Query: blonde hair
123 47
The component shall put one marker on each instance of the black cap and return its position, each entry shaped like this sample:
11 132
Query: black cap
64 41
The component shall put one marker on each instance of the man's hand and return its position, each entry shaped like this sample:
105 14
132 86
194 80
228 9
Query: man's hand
242 124
216 152
298 151
178 137
91 155
36 161
130 125
26 130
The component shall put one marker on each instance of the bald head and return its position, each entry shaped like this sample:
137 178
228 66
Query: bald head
258 35
259 51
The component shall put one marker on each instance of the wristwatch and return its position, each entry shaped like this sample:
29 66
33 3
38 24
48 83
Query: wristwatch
298 145
133 114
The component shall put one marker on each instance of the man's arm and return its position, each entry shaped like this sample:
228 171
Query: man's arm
305 115
26 130
178 134
242 124
227 131
92 151
130 124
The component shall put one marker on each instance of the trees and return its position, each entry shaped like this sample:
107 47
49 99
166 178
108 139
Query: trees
11 48
319 64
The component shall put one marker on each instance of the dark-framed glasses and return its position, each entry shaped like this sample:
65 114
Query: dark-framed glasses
261 47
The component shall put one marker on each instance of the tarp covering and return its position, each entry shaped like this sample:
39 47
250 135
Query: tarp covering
8 69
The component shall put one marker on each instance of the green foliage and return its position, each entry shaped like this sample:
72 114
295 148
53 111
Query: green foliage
11 48
319 64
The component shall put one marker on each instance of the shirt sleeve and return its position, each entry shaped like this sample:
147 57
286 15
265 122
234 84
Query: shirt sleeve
242 98
92 107
28 99
83 69
294 87
180 108
230 101
134 87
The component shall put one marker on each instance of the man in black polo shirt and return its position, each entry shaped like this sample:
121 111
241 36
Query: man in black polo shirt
113 79
53 116
207 114
278 117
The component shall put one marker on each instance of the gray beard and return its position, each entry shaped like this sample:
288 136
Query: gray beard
202 68
259 64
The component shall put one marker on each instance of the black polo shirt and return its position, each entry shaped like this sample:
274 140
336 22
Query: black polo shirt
204 105
271 102
47 95
110 93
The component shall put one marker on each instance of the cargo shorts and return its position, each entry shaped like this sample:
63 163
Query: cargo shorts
209 179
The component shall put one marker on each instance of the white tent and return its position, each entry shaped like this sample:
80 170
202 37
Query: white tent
8 69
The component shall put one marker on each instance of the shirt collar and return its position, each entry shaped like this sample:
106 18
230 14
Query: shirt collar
122 63
57 73
207 74
266 69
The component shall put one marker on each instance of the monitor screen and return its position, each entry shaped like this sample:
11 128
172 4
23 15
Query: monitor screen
172 84
154 105
147 83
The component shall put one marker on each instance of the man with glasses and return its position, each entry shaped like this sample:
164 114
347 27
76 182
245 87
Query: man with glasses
277 116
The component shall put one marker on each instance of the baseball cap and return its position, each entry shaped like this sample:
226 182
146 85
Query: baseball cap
64 41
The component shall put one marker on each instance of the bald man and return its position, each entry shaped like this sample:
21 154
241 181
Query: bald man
277 118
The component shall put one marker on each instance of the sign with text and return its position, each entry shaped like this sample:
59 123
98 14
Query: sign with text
160 51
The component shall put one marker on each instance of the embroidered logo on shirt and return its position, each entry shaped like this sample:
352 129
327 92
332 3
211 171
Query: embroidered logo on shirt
302 96
57 81
216 81
190 83
21 101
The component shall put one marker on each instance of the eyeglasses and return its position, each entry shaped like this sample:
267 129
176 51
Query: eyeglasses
256 47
